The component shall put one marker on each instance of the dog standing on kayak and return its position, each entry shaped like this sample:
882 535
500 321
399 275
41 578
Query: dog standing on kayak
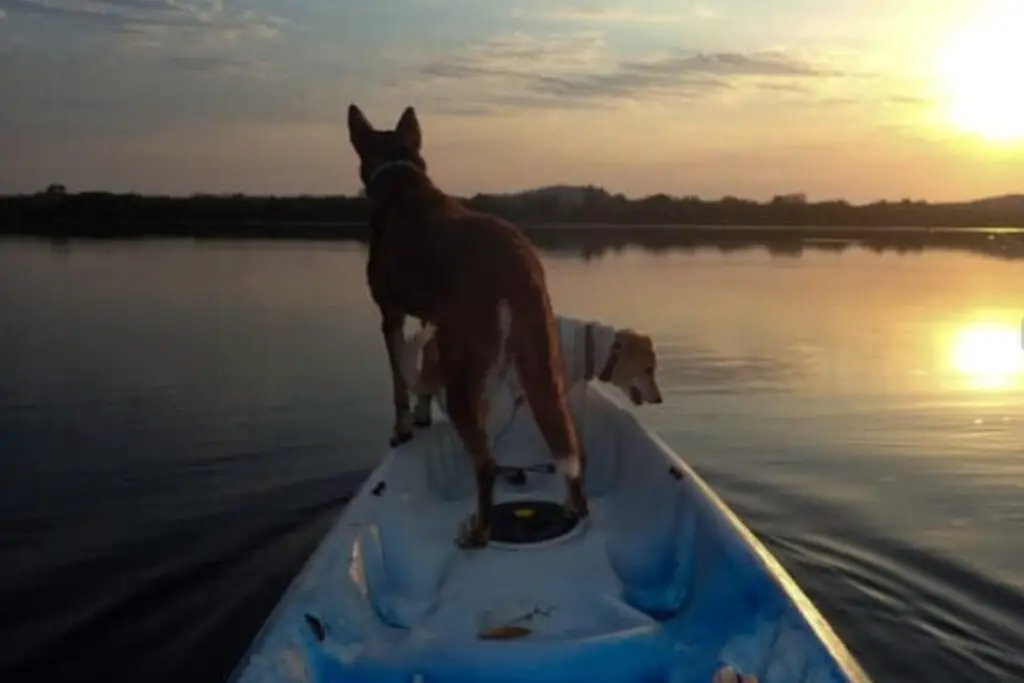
432 258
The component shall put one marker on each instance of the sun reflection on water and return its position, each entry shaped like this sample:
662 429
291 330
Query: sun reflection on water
988 355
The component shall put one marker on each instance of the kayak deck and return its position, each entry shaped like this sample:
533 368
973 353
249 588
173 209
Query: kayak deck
657 584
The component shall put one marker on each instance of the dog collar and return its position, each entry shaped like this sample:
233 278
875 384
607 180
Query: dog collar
588 352
609 367
398 163
590 356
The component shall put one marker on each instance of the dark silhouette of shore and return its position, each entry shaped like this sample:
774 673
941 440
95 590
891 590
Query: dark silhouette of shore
594 242
586 221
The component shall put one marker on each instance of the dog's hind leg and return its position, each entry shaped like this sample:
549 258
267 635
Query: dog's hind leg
421 415
539 362
467 410
465 365
392 322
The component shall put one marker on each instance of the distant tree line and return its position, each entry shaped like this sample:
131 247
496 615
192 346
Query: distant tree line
56 212
595 205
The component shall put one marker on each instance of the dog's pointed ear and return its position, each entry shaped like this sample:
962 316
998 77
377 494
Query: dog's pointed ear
408 130
359 128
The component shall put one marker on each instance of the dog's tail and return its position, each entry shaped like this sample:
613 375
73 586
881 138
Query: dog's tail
538 360
412 351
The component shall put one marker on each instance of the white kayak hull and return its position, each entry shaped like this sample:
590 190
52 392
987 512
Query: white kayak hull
661 583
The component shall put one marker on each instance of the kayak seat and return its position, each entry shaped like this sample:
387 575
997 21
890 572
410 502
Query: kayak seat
654 558
399 569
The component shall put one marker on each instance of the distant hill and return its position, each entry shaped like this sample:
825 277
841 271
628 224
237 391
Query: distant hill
568 195
564 194
577 194
1007 202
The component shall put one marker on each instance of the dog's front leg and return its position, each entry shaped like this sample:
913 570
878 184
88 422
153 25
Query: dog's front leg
422 416
392 326
468 412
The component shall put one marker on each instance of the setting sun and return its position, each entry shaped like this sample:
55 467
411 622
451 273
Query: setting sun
989 355
980 72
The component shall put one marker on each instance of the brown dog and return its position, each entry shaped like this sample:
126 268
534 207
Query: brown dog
432 258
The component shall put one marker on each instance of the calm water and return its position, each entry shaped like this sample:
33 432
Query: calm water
180 423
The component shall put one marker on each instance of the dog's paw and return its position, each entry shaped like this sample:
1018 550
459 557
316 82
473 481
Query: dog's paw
576 510
399 437
402 430
472 534
422 421
576 505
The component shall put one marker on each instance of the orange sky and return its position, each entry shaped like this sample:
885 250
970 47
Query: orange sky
859 100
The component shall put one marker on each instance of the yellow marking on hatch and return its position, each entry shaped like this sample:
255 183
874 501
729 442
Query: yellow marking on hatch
504 632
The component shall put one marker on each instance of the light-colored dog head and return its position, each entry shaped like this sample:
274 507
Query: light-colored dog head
631 367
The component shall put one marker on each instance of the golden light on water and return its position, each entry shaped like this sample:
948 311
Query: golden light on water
988 355
980 71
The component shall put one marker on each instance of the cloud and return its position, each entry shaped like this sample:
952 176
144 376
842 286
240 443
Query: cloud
194 37
567 71
216 64
110 13
617 15
705 12
597 11
193 52
114 69
519 56
51 99
128 16
165 5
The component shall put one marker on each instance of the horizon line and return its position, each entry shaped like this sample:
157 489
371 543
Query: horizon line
807 199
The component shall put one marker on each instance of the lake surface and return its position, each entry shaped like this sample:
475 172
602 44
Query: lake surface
180 423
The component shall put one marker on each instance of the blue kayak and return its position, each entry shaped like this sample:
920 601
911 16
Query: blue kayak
661 583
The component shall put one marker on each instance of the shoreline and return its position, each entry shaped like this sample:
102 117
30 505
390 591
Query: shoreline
359 230
586 239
